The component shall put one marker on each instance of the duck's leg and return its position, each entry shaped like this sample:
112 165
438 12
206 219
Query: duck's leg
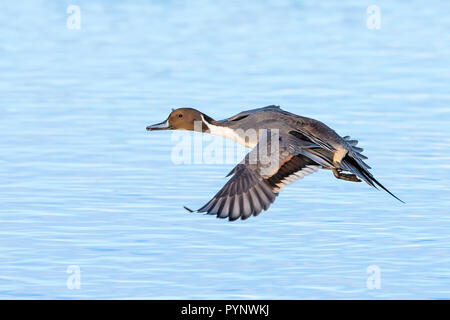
345 176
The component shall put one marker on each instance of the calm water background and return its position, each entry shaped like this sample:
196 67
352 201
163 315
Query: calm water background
82 183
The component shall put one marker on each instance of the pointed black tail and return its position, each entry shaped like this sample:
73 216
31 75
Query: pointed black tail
353 166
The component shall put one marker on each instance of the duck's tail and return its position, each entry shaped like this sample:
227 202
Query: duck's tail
353 165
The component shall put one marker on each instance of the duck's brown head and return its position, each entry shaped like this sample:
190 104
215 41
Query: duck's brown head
183 119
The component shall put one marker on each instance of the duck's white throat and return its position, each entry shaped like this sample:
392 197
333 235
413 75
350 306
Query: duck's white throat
240 136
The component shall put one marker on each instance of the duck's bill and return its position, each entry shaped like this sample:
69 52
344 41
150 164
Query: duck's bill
160 126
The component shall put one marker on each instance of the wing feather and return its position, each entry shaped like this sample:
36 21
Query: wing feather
250 189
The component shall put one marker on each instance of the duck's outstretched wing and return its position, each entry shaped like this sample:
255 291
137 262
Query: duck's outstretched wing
257 180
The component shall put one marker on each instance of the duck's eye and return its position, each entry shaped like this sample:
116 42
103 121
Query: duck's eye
180 116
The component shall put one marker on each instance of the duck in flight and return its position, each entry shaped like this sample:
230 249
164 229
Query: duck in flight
304 145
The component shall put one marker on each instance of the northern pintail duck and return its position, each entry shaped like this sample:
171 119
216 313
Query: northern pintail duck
304 146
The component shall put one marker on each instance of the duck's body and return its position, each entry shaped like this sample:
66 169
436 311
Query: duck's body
302 146
273 117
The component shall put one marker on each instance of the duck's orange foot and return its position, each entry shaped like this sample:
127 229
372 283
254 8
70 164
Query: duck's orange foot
345 176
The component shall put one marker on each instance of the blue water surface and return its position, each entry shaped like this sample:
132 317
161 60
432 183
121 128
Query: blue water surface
83 184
